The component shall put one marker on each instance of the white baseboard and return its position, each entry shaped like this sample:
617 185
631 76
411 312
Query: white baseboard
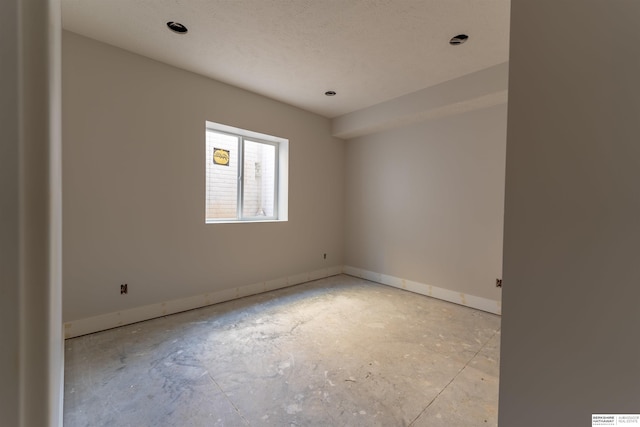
119 318
472 301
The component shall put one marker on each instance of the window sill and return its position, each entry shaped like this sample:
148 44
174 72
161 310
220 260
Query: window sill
249 221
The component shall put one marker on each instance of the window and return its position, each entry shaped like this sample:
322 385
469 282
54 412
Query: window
246 175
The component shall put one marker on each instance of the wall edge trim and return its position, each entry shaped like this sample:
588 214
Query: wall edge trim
102 322
111 320
472 301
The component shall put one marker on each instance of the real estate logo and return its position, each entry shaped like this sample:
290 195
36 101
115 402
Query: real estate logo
220 157
615 420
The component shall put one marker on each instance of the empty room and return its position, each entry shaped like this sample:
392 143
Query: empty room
254 146
296 212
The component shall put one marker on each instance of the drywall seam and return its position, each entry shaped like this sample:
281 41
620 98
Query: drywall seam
125 317
479 303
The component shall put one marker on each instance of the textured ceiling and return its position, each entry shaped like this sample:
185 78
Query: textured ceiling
368 51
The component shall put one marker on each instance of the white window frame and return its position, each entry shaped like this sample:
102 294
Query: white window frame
281 190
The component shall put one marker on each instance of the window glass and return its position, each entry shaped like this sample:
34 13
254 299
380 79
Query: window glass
259 183
222 176
246 175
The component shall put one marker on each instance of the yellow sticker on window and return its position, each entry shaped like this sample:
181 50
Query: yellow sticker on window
220 157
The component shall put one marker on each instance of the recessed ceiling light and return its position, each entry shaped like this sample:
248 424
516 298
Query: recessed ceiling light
177 27
330 93
459 39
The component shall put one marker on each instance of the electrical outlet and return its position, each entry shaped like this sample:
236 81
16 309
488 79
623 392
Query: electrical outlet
124 289
498 283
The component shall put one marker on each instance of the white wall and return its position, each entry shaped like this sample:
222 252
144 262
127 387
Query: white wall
481 89
31 354
134 205
9 217
570 343
425 202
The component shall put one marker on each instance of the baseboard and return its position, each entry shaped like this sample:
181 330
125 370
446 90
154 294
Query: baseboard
472 301
120 318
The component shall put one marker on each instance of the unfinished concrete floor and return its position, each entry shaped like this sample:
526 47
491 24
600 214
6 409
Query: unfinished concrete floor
335 352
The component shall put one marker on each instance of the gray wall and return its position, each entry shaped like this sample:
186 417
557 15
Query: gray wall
570 321
31 354
425 202
133 157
